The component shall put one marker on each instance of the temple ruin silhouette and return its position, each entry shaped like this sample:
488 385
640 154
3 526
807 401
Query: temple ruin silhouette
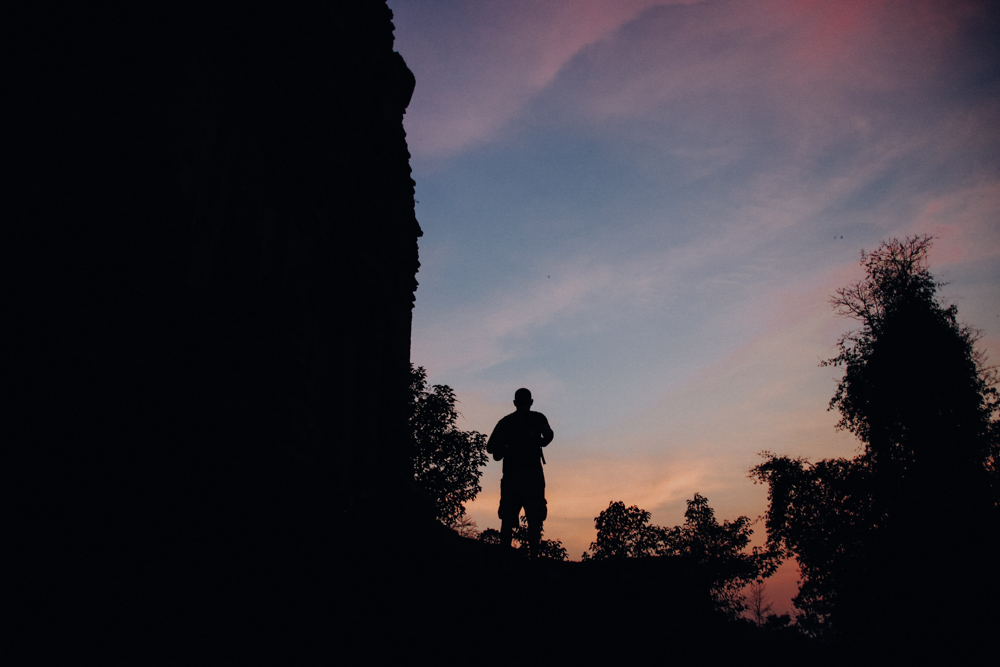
215 265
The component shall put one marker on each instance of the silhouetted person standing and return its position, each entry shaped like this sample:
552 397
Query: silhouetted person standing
517 440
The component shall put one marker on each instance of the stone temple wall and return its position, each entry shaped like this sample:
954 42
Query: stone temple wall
213 257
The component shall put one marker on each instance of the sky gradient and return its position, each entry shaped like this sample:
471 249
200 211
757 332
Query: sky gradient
639 211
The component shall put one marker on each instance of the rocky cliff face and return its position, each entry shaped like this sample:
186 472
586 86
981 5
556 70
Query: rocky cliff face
215 252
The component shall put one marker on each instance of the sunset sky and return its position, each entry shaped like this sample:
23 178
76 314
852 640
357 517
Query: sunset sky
640 209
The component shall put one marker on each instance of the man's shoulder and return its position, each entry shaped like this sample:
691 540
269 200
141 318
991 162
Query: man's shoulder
508 418
523 416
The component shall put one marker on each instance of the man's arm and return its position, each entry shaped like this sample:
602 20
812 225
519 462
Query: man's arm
547 433
497 444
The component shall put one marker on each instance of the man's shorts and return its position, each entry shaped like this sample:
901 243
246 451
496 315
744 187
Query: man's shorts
516 495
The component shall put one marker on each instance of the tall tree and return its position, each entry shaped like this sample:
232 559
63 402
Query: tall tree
922 401
915 390
446 460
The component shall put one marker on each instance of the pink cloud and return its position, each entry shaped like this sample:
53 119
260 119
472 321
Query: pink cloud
806 62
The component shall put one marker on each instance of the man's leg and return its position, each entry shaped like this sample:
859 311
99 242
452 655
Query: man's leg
510 508
534 536
507 530
536 512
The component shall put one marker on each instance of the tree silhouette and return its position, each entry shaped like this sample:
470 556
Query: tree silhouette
920 398
915 390
466 527
446 460
822 513
717 550
721 550
757 602
624 533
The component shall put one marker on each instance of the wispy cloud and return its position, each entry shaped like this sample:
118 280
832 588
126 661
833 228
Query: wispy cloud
479 63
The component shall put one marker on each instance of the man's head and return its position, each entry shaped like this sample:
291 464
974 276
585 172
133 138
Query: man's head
522 399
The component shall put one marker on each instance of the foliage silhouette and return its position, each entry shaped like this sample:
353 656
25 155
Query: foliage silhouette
624 533
920 398
822 514
490 536
913 378
446 460
719 550
550 549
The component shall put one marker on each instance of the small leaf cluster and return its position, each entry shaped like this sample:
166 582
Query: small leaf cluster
549 549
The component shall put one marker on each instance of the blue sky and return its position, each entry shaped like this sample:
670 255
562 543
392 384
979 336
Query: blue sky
640 209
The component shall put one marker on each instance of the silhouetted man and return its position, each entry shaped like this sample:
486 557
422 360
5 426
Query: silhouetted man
518 440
